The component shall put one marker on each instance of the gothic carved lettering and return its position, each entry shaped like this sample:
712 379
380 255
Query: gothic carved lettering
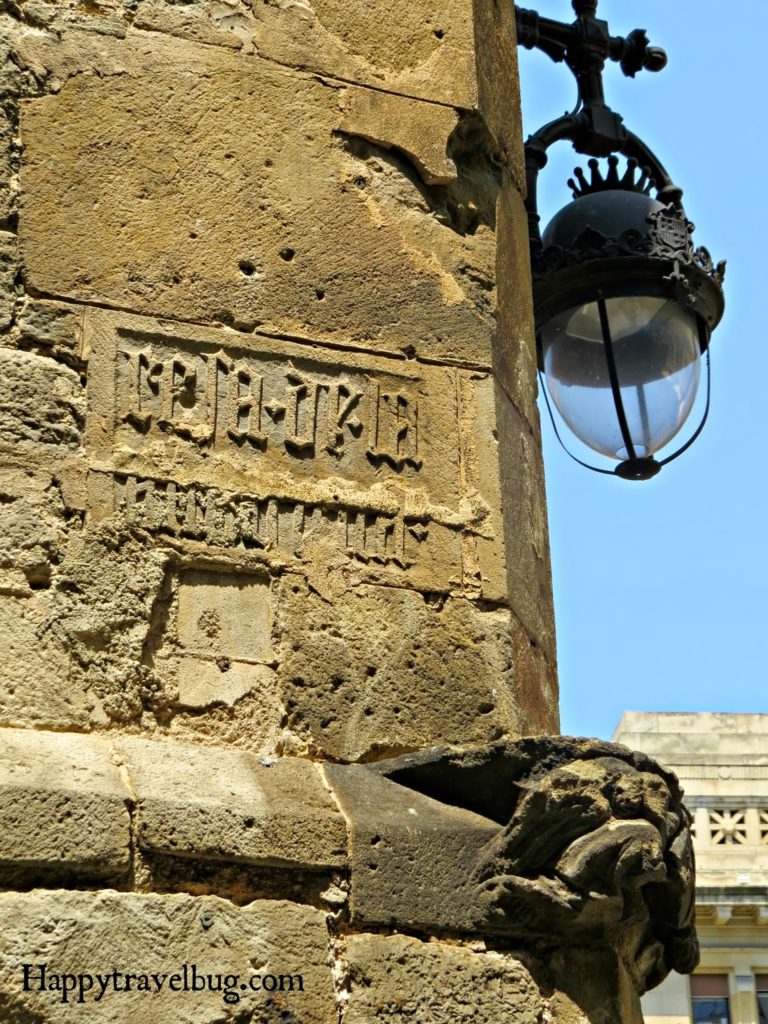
223 519
343 400
393 428
265 405
244 393
206 437
301 395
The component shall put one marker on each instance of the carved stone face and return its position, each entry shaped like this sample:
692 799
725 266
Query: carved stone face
596 851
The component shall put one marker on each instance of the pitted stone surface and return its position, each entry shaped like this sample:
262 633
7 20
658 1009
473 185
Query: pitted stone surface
36 687
41 403
34 523
296 194
99 933
63 808
8 263
397 976
528 564
362 677
222 804
52 328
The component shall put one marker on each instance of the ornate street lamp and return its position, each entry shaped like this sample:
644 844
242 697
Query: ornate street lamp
624 303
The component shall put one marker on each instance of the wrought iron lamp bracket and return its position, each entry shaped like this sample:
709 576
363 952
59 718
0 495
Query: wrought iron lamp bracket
597 131
593 128
598 250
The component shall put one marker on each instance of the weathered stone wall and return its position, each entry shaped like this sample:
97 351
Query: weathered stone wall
271 490
267 357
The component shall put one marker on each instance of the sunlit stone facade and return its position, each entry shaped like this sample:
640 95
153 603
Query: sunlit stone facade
722 764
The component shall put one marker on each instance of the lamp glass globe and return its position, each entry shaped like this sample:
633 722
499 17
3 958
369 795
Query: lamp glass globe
656 349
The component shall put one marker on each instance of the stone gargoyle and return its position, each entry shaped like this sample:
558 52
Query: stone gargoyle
577 850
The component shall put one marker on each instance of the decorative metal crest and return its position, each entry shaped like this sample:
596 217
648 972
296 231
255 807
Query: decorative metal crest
592 245
668 238
670 234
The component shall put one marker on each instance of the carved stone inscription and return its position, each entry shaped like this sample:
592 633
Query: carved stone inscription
242 441
251 405
227 520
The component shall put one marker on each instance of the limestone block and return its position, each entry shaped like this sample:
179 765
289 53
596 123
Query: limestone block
114 611
7 192
225 616
8 270
224 407
217 24
33 520
430 982
224 804
105 18
484 555
203 684
239 706
536 685
217 644
264 218
411 857
10 80
51 325
515 364
41 402
446 54
501 462
411 126
413 49
112 17
153 938
500 473
63 808
36 686
498 84
527 547
362 677
102 608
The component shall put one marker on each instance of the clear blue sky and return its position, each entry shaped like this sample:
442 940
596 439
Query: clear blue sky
660 587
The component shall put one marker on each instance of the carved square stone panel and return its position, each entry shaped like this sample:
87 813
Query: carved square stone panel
213 641
225 616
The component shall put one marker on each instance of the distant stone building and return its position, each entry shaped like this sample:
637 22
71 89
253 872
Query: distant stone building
722 764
